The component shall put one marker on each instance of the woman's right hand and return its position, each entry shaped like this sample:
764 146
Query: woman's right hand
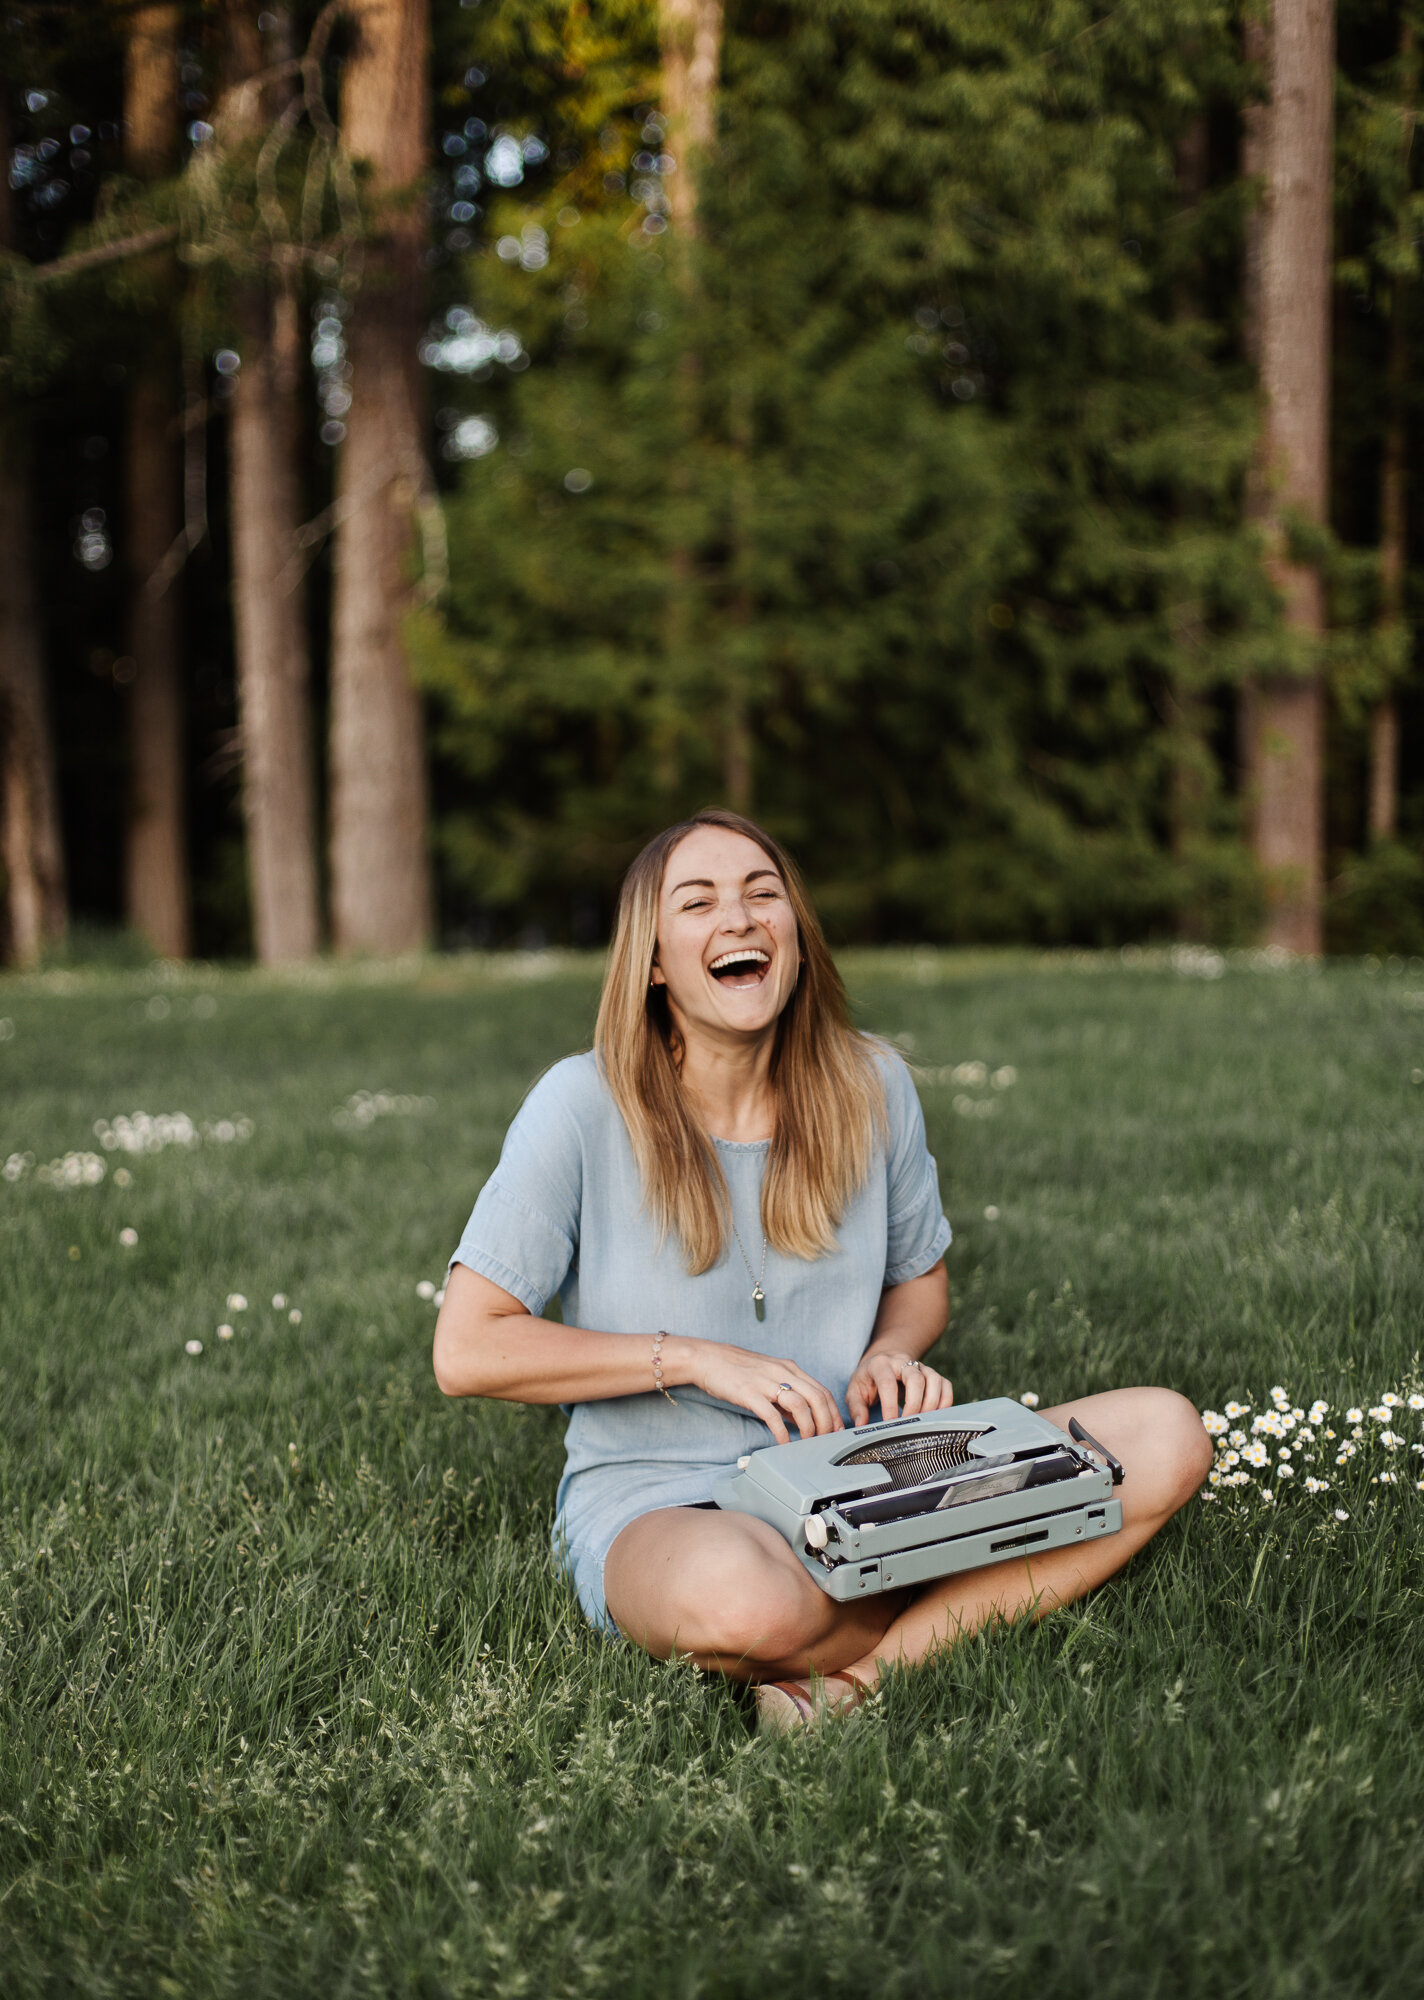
772 1389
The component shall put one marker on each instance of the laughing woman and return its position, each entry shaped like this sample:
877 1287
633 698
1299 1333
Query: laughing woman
733 1199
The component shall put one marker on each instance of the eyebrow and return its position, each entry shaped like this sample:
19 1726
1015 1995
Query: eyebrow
755 875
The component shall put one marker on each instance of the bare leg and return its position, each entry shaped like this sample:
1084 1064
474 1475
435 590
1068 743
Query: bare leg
1166 1454
728 1592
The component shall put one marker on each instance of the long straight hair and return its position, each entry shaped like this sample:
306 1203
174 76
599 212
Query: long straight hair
830 1099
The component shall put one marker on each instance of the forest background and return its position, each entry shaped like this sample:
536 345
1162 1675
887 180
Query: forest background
442 442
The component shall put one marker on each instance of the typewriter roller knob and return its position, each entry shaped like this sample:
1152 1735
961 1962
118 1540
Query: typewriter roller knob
814 1529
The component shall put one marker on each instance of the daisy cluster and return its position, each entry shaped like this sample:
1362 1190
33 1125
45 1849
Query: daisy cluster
364 1107
71 1171
1280 1447
433 1294
236 1306
977 1076
143 1132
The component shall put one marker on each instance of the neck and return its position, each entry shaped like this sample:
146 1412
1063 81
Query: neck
729 1085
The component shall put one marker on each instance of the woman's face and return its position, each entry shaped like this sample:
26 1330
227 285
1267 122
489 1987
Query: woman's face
728 950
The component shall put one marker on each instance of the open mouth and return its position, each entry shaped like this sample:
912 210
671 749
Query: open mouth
741 969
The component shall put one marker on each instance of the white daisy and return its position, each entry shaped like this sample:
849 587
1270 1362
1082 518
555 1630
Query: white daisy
224 1332
128 1237
1029 1399
1213 1424
236 1303
192 1347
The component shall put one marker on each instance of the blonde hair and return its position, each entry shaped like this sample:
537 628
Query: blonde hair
830 1098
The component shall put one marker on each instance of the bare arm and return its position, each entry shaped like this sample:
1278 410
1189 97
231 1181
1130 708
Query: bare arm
910 1320
488 1344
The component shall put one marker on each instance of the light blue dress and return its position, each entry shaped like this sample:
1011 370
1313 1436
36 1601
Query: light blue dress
563 1213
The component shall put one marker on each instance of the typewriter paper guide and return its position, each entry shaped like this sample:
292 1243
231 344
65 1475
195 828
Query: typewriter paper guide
904 1501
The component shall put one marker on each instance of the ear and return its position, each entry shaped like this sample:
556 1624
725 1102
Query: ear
655 977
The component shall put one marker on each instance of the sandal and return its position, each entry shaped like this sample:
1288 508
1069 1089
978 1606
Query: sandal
785 1706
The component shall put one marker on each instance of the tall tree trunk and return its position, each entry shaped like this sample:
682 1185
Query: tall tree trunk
1394 525
1287 143
31 848
269 598
690 33
30 843
380 881
156 861
1186 713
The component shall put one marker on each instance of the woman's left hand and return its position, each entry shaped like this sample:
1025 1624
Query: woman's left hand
884 1374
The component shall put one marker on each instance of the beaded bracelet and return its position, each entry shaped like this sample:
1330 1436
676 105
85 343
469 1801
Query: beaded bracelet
658 1382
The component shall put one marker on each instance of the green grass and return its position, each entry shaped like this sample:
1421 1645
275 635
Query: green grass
290 1702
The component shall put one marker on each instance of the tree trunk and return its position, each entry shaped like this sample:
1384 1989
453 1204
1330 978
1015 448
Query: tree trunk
1287 143
1185 709
269 598
31 847
156 864
1394 524
380 883
691 37
30 844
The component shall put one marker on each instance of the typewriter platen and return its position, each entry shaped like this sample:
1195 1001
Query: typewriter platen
904 1501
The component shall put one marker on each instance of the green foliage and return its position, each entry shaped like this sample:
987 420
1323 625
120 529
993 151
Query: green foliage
291 1704
906 486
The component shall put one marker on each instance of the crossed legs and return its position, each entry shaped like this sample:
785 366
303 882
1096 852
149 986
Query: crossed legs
728 1592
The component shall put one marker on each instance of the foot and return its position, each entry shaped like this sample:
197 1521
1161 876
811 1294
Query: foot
784 1706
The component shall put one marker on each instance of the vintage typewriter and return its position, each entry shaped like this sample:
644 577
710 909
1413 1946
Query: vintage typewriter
903 1501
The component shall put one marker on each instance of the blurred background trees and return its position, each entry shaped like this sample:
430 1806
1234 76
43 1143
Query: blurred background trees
976 436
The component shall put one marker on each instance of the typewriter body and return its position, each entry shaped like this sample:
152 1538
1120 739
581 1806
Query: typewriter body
904 1501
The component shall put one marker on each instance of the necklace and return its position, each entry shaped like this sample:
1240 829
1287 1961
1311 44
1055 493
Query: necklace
758 1295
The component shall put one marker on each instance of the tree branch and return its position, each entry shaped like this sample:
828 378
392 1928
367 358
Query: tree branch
105 253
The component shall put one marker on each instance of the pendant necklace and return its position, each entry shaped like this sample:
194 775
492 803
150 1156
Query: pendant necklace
758 1295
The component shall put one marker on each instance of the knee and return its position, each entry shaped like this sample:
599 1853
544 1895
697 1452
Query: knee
1181 1448
757 1611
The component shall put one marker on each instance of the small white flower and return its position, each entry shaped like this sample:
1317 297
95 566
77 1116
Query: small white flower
279 1301
1284 1452
1029 1400
1354 1416
439 1298
1357 1434
1280 1398
1316 1485
236 1303
1318 1409
224 1331
1386 1479
1329 1434
295 1316
1255 1454
1231 1458
1390 1401
1341 1515
1285 1472
425 1290
1213 1424
128 1237
1213 1478
192 1347
1238 1438
1391 1440
123 1178
1307 1436
991 1214
1379 1413
1267 1494
1298 1416
1416 1401
1237 1409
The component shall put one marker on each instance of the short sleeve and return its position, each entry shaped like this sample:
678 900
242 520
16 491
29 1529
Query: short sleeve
524 1230
916 1230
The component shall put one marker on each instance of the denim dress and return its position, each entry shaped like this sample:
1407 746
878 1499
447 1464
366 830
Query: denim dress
563 1213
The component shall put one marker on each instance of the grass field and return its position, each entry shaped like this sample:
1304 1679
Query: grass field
290 1702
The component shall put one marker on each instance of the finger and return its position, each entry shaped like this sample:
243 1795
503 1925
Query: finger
823 1406
792 1403
914 1381
857 1402
763 1407
887 1384
937 1390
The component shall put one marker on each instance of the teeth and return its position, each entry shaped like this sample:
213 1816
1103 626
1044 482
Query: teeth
739 958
